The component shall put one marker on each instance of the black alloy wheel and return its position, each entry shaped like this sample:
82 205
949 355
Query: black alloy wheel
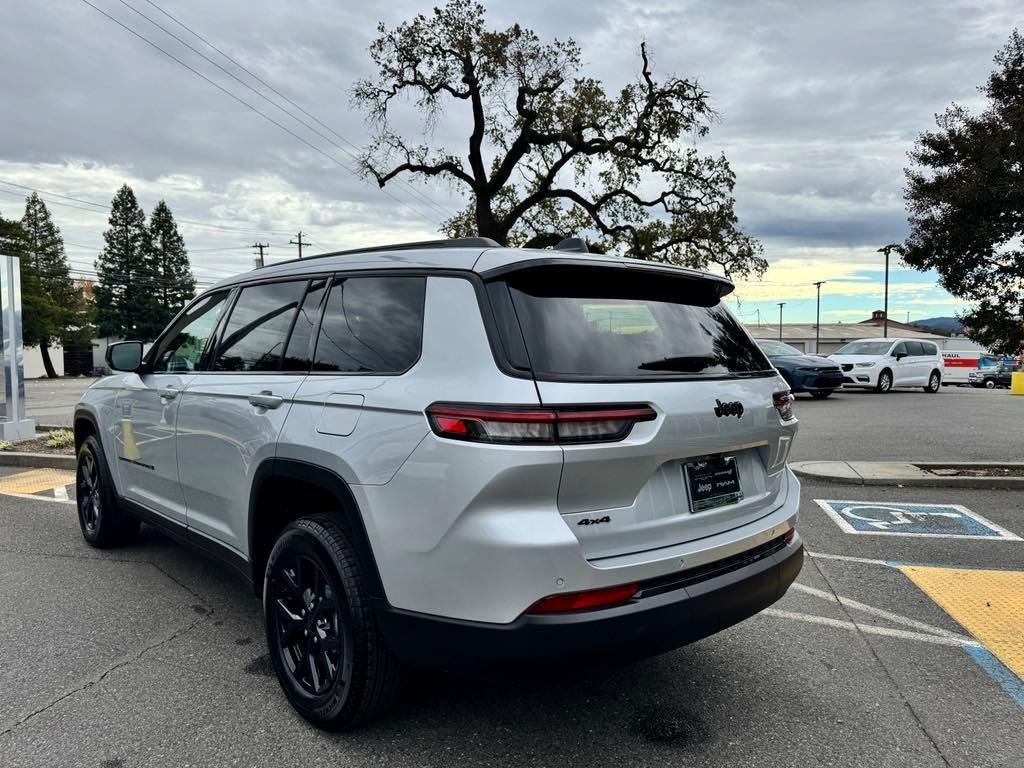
87 487
103 521
309 626
329 655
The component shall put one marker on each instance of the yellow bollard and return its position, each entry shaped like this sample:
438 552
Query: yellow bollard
131 450
1017 383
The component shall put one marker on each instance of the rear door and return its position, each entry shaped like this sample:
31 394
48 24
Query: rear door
230 415
713 459
903 374
922 363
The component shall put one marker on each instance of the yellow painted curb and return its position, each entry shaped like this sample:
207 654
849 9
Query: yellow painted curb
36 480
988 604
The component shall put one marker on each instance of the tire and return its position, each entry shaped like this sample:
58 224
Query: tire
934 383
990 383
103 522
341 674
821 394
884 381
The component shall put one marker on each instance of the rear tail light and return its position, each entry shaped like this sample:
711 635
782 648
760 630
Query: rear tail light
783 402
535 425
582 601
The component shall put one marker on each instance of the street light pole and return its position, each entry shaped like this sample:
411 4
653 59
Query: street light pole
781 305
817 317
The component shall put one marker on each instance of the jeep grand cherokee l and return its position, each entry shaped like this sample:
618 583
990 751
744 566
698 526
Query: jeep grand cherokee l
455 453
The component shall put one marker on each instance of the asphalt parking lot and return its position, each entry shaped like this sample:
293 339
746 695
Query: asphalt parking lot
153 656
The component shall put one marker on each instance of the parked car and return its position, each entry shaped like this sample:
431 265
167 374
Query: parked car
993 376
882 364
454 454
818 376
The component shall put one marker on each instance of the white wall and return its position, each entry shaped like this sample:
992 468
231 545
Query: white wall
33 361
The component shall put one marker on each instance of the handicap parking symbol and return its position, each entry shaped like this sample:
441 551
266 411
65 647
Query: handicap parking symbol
884 518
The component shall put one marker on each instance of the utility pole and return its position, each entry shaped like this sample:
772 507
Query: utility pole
261 247
758 311
781 305
817 318
885 320
299 242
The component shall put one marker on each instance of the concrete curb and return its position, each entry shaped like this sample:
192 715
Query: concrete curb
37 460
899 473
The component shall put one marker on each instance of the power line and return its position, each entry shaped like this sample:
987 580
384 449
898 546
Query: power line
244 103
106 208
410 188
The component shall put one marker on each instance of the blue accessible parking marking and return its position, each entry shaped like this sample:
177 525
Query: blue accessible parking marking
949 521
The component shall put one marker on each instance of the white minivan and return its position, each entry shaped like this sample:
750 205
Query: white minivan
881 364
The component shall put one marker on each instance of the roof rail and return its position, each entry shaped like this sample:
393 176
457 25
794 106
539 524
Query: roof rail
455 242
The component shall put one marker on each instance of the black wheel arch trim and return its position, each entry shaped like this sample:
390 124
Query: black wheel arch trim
348 510
83 414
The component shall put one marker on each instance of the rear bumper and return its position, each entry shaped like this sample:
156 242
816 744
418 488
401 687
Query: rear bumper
672 614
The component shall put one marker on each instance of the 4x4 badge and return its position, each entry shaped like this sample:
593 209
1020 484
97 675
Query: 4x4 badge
594 520
734 408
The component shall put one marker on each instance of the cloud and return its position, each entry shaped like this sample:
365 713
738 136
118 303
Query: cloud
819 104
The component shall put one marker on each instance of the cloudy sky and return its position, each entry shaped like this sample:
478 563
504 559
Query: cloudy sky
819 103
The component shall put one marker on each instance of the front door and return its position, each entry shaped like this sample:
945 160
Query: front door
147 411
231 415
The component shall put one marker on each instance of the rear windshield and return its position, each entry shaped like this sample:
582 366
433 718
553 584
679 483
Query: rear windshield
610 323
865 348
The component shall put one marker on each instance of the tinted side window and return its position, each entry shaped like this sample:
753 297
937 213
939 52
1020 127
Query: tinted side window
371 325
255 334
929 348
915 349
297 356
182 348
900 349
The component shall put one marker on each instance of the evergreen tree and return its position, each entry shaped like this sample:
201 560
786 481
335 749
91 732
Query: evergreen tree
35 309
49 299
965 199
177 285
125 292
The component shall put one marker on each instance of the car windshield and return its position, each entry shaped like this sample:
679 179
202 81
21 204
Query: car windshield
777 348
865 348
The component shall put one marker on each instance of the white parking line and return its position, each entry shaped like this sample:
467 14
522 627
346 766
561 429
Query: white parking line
895 618
873 629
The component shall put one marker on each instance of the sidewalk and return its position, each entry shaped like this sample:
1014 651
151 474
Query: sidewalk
902 473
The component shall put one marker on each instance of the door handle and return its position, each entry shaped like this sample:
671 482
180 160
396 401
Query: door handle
168 393
265 399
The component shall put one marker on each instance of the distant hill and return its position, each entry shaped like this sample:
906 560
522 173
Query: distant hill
944 325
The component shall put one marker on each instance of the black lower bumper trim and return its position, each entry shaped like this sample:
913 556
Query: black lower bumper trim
643 627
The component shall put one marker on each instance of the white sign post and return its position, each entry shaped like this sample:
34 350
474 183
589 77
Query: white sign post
14 426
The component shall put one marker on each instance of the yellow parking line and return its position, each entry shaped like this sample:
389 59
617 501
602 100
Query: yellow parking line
988 604
36 480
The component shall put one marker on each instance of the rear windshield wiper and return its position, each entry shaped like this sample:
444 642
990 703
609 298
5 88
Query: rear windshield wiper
685 364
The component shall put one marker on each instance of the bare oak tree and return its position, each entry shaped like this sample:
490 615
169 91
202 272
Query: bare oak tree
550 153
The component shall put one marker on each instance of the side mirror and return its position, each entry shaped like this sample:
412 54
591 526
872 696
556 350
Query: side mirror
125 356
900 356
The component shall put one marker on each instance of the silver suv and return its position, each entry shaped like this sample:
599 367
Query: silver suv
455 453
